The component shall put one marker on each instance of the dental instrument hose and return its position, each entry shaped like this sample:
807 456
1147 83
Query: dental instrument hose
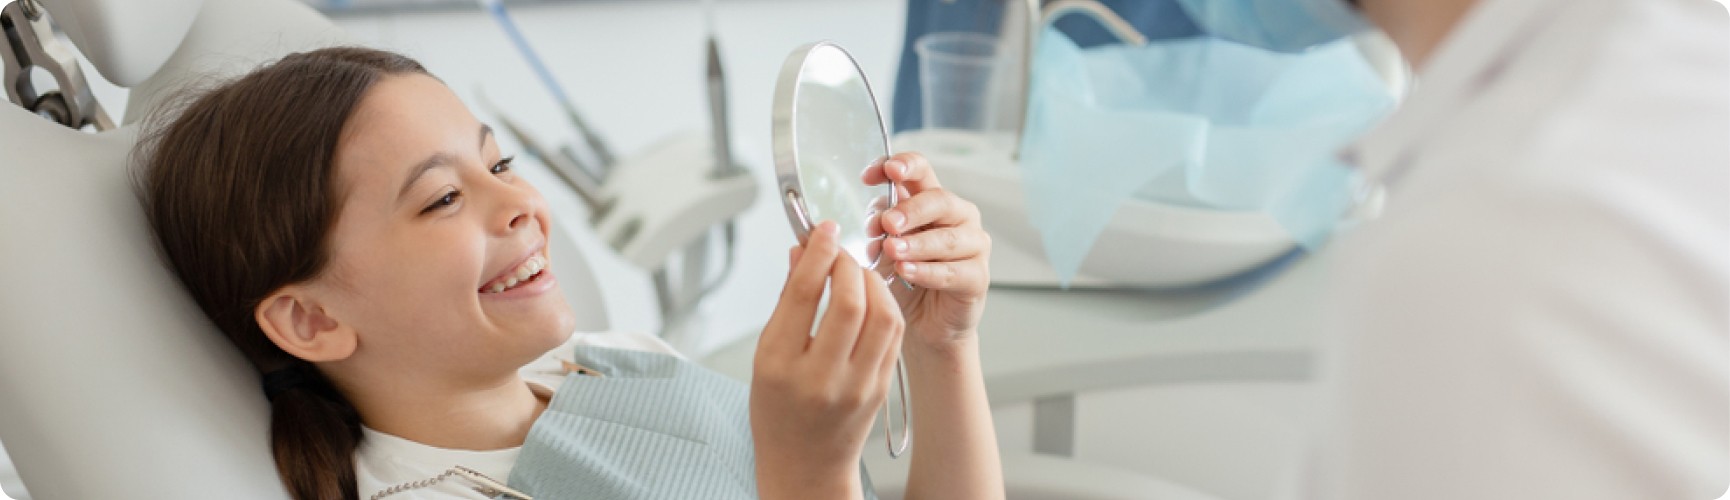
603 156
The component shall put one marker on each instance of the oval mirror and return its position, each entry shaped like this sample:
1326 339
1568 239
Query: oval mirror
827 131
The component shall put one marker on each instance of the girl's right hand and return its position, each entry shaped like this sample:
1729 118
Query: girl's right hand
814 397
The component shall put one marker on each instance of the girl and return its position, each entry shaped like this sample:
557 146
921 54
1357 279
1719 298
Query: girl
354 230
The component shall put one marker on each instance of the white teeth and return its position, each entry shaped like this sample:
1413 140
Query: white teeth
529 268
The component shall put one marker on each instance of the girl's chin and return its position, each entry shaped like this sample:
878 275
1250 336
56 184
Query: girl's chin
553 322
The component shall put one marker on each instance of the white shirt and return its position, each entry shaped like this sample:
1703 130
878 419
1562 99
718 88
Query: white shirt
1542 310
383 460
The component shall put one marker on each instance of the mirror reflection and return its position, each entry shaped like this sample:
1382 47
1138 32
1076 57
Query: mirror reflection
837 135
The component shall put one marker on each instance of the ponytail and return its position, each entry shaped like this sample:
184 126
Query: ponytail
313 433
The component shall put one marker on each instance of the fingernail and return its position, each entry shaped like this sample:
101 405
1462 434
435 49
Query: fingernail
907 268
899 166
832 228
900 246
895 220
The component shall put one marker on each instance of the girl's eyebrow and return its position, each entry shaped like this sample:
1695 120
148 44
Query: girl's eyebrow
437 160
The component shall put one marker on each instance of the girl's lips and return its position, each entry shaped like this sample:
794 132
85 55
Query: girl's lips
538 249
536 285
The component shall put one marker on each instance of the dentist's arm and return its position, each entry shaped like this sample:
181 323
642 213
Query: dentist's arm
938 244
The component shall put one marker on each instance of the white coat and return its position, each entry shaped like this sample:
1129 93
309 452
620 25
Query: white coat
1542 308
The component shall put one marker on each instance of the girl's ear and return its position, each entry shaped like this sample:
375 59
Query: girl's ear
293 318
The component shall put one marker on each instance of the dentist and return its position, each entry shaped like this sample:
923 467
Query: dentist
1541 307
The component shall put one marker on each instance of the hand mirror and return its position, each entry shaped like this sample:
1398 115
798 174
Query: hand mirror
827 131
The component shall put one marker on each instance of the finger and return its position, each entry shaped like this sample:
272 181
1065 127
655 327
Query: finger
789 326
892 352
873 175
883 322
935 207
839 328
874 225
944 244
912 170
874 251
874 215
793 257
968 278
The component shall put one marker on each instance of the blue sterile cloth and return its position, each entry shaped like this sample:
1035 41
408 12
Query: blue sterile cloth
653 426
1197 121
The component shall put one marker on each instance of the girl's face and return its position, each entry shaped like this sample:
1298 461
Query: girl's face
438 256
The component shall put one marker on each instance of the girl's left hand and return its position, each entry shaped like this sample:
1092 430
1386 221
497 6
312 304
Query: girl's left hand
936 243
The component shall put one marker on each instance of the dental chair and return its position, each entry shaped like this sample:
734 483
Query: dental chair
112 383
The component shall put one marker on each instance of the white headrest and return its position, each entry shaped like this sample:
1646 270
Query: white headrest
127 40
102 356
231 37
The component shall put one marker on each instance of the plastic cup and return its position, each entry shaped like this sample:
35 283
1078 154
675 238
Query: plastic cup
956 71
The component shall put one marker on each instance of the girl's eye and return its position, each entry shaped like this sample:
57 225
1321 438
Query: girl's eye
503 165
443 201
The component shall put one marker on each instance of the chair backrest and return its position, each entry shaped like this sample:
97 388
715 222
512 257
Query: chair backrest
112 383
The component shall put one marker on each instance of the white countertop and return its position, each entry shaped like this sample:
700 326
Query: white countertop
1038 342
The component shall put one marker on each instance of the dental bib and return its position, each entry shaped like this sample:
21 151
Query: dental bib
642 425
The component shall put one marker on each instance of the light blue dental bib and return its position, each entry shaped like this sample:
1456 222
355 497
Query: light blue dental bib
652 426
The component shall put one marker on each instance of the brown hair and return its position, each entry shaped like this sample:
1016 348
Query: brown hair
239 188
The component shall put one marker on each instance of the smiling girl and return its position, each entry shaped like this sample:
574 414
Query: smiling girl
343 218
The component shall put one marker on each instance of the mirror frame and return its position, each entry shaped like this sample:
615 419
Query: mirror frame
784 138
